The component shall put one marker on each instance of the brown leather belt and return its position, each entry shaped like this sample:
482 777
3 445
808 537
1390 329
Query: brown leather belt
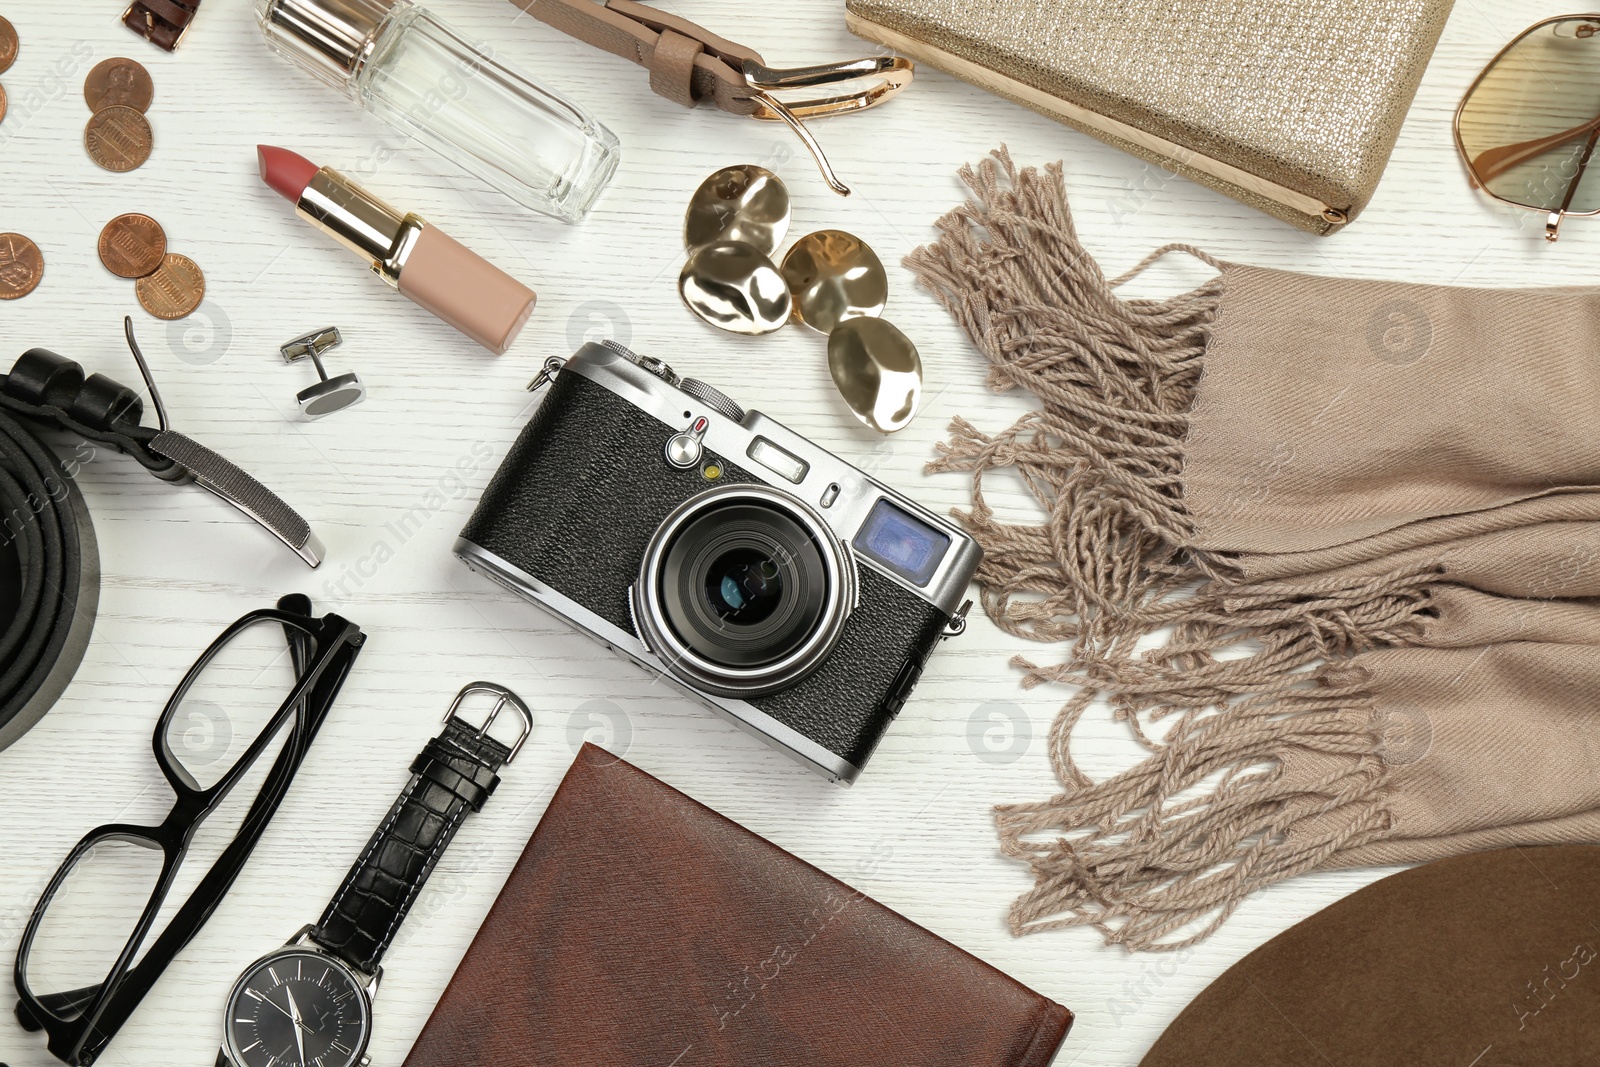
161 22
689 64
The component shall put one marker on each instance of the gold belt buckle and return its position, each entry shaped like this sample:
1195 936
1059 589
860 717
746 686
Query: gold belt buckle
789 95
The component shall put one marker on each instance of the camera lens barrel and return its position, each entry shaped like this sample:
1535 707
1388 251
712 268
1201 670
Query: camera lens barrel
743 590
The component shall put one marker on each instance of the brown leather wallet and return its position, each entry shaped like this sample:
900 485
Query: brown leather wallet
640 928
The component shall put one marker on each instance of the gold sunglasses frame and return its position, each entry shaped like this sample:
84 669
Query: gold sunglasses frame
1552 225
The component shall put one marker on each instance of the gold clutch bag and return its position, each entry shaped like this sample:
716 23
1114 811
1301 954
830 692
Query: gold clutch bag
1290 106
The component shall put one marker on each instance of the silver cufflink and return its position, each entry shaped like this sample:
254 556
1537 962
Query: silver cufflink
329 394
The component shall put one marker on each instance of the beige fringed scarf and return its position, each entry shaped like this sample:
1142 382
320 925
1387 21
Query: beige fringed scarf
1330 547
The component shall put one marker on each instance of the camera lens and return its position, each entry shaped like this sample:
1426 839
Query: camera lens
743 583
743 590
744 586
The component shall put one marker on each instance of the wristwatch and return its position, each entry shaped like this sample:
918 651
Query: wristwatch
309 1003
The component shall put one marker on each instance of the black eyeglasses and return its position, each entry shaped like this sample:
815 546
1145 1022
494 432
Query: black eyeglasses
271 675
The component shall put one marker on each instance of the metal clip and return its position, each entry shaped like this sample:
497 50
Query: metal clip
875 80
503 698
193 462
547 373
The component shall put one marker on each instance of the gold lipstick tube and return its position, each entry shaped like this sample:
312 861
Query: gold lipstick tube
361 222
423 262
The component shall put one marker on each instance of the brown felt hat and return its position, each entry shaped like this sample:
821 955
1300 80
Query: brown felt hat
1485 960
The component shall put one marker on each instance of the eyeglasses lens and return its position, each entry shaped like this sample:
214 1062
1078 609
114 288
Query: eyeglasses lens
1532 119
89 920
231 702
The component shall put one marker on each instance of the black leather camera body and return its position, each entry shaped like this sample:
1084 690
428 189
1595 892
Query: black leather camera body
787 589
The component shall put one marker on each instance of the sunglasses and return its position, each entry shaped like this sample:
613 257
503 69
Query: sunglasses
1527 128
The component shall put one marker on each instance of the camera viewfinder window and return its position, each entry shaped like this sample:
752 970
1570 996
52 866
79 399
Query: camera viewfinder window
784 464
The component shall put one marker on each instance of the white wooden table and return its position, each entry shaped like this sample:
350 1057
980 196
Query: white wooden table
915 832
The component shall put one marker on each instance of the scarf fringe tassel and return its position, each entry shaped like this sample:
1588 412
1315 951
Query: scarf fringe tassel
1213 813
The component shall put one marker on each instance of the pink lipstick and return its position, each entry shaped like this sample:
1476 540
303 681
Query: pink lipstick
428 266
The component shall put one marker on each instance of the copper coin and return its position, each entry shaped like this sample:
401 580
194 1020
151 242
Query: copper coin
21 266
173 290
8 45
118 138
2 103
132 245
118 83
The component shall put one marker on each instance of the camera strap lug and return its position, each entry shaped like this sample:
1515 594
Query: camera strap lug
547 373
958 622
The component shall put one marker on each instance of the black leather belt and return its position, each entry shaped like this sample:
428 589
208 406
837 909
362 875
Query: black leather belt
56 391
49 578
49 566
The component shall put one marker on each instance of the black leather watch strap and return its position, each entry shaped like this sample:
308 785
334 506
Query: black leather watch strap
454 775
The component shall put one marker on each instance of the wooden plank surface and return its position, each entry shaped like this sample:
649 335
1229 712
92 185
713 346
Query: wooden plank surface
916 831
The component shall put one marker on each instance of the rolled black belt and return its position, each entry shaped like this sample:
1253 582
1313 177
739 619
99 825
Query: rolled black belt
49 566
49 578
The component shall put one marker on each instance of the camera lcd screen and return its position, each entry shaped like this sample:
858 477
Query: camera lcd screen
902 542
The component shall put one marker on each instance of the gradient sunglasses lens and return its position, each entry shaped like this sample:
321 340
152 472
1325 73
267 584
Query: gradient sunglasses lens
1530 123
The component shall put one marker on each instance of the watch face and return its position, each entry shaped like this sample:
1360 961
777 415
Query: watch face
297 1009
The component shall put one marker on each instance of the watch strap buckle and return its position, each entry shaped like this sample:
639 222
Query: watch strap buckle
503 698
164 23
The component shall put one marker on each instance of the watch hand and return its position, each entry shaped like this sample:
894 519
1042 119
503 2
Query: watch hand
294 1009
300 1025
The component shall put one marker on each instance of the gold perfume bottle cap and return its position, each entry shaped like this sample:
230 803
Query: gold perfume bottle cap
332 39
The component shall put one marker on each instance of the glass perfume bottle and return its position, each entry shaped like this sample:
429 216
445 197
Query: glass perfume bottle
407 66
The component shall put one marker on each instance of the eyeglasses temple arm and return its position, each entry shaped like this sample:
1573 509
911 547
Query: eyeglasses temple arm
299 640
1493 162
1552 226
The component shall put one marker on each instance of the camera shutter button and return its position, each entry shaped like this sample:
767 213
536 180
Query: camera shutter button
684 448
